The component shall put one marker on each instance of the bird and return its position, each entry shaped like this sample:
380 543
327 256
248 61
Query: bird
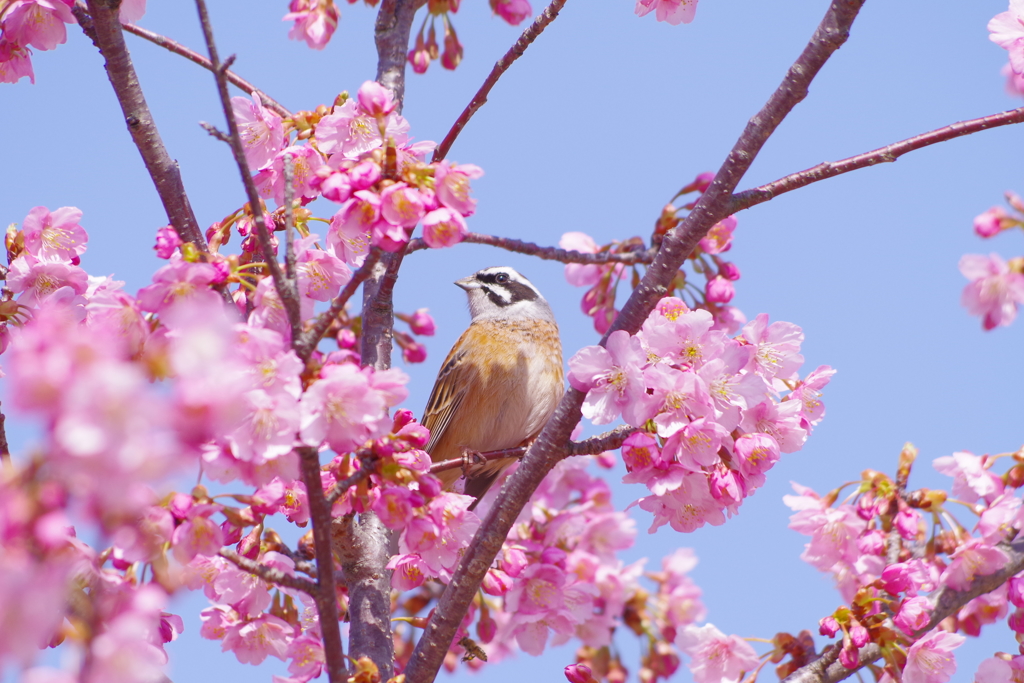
500 382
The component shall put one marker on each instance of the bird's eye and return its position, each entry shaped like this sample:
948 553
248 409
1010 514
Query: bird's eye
501 278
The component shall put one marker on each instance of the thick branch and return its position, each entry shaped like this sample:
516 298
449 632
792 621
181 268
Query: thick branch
608 441
102 26
285 289
500 67
946 603
394 26
378 311
274 576
549 447
309 340
362 546
887 154
640 255
326 596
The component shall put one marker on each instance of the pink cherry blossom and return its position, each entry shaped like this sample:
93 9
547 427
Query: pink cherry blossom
36 281
913 615
971 477
677 397
719 290
451 183
991 222
995 292
132 10
421 323
54 236
261 130
1007 31
809 393
719 237
179 281
778 347
15 62
39 23
375 99
672 11
444 228
686 508
349 234
512 11
611 377
683 340
401 205
167 241
580 274
320 274
306 161
998 670
930 660
714 656
351 132
254 640
973 558
315 21
410 571
269 310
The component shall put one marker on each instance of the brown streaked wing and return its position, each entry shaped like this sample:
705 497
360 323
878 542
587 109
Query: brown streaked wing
445 397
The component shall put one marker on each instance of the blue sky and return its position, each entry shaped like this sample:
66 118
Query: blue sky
594 130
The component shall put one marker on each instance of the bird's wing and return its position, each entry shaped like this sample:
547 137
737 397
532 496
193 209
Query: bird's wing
446 396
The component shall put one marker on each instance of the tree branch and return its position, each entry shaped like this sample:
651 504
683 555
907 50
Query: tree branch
549 447
275 576
595 445
639 255
394 25
500 67
326 596
102 26
946 603
305 347
285 289
887 154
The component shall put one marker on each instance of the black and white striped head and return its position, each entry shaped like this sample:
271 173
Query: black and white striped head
501 292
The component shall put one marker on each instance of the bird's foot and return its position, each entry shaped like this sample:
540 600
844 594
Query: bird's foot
470 459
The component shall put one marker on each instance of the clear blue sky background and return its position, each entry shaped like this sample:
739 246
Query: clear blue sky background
594 130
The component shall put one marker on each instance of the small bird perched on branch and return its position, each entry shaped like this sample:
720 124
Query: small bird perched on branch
500 382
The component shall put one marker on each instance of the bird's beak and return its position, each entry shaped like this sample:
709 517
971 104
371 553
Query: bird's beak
468 283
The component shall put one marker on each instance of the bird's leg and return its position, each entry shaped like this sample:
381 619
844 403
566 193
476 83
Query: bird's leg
470 458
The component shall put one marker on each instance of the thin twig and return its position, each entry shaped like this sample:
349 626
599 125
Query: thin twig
640 255
305 347
102 26
608 441
887 154
285 290
268 574
341 487
326 598
500 67
549 448
179 49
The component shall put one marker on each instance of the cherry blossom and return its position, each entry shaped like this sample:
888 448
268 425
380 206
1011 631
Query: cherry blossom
674 12
39 23
315 21
995 292
930 660
714 656
261 130
54 236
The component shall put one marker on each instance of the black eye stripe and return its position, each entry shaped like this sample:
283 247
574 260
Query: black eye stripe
509 293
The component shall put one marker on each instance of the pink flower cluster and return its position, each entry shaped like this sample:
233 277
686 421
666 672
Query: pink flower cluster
426 48
856 540
40 24
363 158
719 274
713 405
996 288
